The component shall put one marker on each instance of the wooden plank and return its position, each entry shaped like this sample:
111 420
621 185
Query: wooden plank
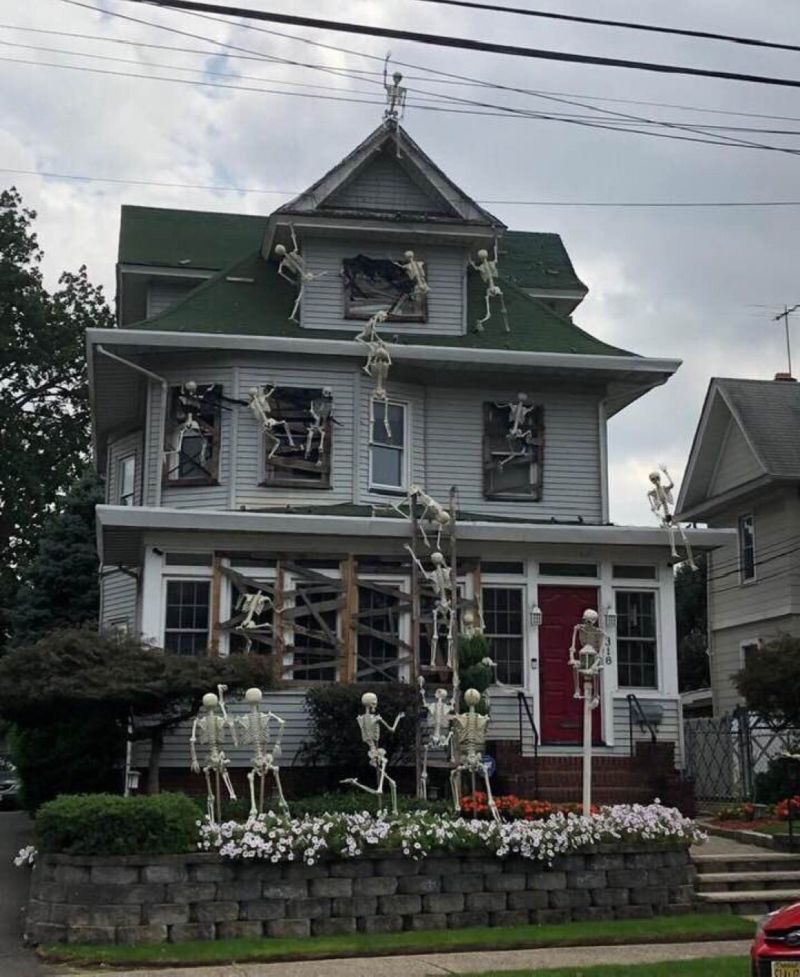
279 643
216 600
290 613
349 574
313 575
390 639
382 669
386 590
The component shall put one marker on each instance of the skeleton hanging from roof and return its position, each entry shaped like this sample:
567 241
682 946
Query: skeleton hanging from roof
262 405
379 361
292 267
321 410
661 503
440 712
253 605
441 580
487 269
416 272
432 511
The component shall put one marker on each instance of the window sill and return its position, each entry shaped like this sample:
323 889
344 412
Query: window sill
300 484
188 482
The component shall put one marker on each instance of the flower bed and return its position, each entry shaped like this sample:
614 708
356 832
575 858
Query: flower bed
514 808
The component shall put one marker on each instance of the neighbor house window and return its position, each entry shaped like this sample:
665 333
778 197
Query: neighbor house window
387 446
191 450
504 627
127 480
513 446
186 619
747 551
637 651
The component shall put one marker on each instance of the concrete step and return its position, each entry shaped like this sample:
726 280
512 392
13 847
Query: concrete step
751 862
747 881
748 903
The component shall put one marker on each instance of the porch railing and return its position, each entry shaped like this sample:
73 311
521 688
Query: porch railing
636 713
524 706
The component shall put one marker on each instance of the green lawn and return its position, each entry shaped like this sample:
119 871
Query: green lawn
665 929
715 967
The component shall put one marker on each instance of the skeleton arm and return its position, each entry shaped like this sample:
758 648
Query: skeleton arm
276 750
193 746
289 278
670 486
221 690
393 727
295 246
420 567
572 648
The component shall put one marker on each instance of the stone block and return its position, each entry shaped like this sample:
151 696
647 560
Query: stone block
681 893
610 897
333 926
604 863
148 933
649 895
429 921
457 921
240 889
45 933
545 917
444 902
355 906
215 912
288 928
51 891
507 882
586 880
467 882
115 916
624 878
308 908
181 932
490 901
546 880
380 924
446 865
633 912
331 887
114 874
91 934
510 917
357 868
105 894
212 872
418 885
378 886
568 898
643 860
396 867
400 905
301 873
263 909
171 914
37 912
70 873
164 873
482 864
530 899
233 929
190 892
285 890
588 913
677 909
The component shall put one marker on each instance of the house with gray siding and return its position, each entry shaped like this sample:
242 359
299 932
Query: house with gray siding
207 504
744 473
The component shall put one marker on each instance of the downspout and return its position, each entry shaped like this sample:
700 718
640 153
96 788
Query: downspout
164 388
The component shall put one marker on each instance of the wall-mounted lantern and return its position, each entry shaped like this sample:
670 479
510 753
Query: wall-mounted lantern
611 617
536 616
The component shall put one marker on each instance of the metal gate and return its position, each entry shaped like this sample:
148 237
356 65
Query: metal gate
724 755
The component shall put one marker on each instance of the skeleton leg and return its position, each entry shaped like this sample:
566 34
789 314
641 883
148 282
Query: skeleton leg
487 317
275 442
489 796
688 545
386 425
226 780
321 447
455 788
210 805
218 790
309 442
424 776
504 313
296 306
450 636
435 638
277 775
288 432
671 531
384 777
251 779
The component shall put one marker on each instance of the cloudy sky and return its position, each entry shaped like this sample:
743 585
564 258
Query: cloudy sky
699 284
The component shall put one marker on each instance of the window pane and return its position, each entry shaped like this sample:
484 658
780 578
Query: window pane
373 650
193 456
636 639
502 614
568 569
186 627
633 571
127 472
746 548
387 466
397 422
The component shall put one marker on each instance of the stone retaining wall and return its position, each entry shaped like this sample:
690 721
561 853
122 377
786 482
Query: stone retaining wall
154 899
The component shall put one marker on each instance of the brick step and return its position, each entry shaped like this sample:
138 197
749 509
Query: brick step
754 902
746 881
768 862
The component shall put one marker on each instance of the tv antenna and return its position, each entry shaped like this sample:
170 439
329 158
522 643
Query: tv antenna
785 316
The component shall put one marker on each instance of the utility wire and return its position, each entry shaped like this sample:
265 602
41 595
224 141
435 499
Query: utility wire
574 18
465 43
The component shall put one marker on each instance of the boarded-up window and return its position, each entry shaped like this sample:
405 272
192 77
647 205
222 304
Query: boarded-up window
381 285
298 448
379 639
513 447
191 450
315 639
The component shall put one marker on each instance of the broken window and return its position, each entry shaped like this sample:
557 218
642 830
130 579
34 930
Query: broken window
191 451
298 440
513 446
381 285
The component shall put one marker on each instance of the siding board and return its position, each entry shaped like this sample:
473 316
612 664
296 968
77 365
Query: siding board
118 597
383 185
737 464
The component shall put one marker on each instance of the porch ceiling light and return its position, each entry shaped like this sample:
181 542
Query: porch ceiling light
536 616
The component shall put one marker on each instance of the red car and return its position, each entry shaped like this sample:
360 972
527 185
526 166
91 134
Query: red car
776 949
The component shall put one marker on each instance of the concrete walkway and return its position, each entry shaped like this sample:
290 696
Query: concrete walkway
727 846
436 964
15 960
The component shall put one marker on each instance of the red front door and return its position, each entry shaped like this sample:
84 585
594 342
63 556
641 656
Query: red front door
561 714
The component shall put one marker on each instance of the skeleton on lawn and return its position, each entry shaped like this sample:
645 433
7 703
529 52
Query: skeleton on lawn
441 712
209 729
370 722
416 272
441 579
661 503
588 660
256 732
469 731
261 404
292 267
321 409
253 605
487 269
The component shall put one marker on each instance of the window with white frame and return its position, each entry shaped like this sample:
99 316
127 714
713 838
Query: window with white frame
126 480
387 446
503 617
747 549
637 645
186 617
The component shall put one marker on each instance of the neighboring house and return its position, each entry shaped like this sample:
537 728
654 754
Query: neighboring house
744 472
201 508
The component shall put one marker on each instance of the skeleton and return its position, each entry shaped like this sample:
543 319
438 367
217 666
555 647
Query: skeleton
209 729
292 267
487 269
441 579
416 272
321 409
378 362
520 441
252 606
261 405
470 730
587 661
370 722
190 401
395 94
440 715
255 727
661 502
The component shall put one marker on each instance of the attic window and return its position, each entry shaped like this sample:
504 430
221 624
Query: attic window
191 449
302 457
513 450
374 285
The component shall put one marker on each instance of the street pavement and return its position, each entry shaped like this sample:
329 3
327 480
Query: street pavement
15 961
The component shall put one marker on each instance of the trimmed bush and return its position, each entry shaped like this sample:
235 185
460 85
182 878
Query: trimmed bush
107 824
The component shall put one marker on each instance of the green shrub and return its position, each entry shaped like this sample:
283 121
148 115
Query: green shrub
780 779
473 673
107 824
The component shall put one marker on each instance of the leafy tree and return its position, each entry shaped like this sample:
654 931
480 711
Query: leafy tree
60 586
44 401
692 627
127 687
769 681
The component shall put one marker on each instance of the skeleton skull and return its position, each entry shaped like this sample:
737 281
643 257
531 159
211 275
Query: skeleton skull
472 697
253 696
369 700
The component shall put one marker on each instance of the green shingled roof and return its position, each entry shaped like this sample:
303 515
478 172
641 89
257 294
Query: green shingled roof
261 307
537 261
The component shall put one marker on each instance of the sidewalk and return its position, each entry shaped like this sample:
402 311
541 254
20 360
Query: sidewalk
436 964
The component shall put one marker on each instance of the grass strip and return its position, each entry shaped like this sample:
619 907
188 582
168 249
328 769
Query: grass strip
713 967
662 929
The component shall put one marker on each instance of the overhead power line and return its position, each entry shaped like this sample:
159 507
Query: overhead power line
652 28
464 43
